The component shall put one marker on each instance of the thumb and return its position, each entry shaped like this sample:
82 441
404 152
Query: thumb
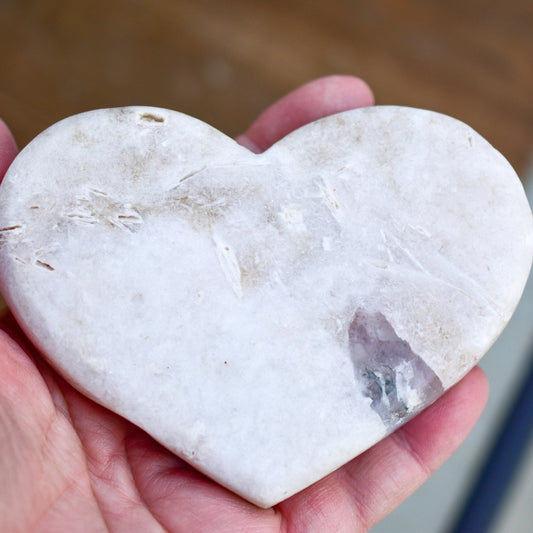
8 148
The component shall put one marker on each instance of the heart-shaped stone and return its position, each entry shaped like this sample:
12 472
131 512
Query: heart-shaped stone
265 317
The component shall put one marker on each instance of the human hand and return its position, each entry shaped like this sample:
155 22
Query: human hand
68 464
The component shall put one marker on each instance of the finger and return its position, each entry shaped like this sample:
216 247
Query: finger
8 149
40 458
365 490
312 101
183 499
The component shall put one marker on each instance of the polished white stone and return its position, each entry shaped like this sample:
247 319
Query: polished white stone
265 317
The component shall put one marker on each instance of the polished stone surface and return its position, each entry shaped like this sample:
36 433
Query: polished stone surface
266 317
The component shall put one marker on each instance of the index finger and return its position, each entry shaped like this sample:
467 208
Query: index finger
314 100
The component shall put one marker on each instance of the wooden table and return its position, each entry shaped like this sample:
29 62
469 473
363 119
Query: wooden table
224 61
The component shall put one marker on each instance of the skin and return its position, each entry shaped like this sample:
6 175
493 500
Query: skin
67 464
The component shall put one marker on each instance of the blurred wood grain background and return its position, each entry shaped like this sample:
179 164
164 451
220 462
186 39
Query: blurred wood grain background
225 61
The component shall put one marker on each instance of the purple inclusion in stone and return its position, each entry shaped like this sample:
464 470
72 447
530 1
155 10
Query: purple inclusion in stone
380 358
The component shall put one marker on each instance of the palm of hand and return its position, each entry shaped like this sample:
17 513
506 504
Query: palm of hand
72 465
